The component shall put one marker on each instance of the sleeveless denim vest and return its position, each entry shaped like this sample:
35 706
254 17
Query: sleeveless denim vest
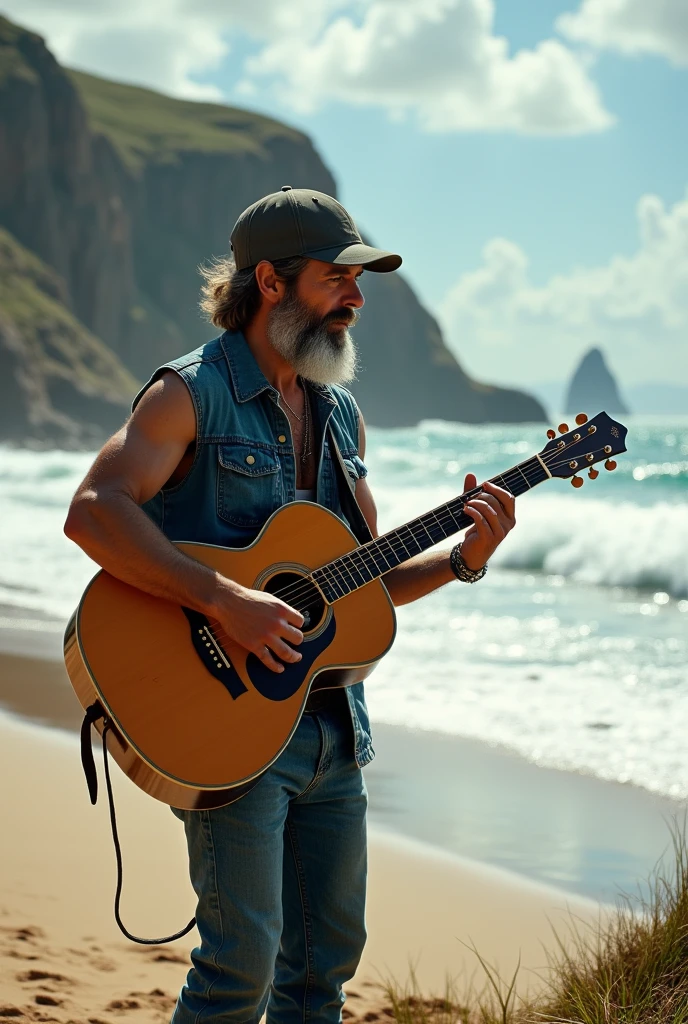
244 466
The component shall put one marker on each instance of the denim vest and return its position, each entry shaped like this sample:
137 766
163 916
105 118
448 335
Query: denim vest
244 466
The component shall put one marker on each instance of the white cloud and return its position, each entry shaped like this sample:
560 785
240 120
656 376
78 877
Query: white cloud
165 44
436 60
631 26
145 43
440 61
636 308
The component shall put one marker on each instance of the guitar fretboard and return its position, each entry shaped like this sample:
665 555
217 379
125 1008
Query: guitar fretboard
377 557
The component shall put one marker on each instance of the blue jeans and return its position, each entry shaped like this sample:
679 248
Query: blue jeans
280 877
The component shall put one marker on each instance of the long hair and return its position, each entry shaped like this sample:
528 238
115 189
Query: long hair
230 298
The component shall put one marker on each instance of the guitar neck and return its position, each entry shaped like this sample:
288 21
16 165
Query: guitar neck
372 560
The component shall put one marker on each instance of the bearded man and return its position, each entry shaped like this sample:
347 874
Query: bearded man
217 440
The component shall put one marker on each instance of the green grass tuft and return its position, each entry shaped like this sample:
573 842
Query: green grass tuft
632 968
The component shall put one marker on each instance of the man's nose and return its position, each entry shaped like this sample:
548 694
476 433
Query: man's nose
354 296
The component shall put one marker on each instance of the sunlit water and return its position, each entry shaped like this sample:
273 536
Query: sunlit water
572 651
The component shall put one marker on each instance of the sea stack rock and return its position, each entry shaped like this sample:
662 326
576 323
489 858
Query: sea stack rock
593 387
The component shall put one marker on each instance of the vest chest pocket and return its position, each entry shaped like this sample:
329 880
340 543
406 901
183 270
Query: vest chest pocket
249 484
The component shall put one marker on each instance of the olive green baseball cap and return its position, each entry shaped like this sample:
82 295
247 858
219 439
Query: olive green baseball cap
301 222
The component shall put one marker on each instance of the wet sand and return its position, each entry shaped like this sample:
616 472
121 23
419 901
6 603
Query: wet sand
61 955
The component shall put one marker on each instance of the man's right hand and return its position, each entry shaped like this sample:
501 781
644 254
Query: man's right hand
259 622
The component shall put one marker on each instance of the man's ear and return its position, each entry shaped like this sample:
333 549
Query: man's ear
271 287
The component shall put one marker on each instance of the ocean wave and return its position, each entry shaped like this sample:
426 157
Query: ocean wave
602 543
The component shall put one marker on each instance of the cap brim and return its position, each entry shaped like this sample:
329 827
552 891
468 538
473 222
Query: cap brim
378 260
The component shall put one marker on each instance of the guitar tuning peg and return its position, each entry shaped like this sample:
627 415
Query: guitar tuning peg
593 473
610 465
581 418
577 481
551 433
563 428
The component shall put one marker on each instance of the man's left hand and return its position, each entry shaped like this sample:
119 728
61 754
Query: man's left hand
493 514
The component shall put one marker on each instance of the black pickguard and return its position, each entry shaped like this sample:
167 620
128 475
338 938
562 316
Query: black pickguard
283 685
269 684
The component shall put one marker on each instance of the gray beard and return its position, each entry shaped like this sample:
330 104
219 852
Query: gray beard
306 342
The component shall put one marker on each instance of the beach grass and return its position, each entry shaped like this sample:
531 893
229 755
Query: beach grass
629 968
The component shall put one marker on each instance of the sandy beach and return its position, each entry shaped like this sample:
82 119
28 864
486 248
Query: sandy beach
61 955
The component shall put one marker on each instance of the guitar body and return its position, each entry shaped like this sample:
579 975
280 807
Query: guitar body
195 719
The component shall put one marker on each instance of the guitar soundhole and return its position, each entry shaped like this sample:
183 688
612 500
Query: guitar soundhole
300 593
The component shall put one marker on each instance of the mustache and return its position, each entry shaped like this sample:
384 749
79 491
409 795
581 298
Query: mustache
344 315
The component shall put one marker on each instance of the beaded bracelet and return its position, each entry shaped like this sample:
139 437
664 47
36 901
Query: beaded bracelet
461 570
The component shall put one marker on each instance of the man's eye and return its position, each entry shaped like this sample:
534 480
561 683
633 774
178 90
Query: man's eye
336 278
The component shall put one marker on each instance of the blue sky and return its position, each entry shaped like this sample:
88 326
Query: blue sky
437 199
509 155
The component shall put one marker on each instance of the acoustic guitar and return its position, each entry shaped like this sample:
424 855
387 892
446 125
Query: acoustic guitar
193 718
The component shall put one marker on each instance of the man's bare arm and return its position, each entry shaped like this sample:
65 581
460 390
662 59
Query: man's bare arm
492 512
105 520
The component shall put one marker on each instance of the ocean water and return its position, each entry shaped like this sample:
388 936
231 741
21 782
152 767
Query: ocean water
573 651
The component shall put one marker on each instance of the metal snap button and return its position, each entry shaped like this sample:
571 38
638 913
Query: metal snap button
250 459
282 438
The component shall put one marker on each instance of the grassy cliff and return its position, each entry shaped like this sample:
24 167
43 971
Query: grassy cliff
49 360
145 126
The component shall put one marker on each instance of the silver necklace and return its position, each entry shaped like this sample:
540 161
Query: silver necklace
294 414
306 439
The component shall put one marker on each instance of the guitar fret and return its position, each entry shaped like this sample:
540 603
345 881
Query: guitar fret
354 572
421 523
444 532
386 540
346 577
374 559
413 538
365 568
401 541
330 581
459 513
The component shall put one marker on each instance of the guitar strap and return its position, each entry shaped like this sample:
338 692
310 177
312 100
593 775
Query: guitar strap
93 714
347 495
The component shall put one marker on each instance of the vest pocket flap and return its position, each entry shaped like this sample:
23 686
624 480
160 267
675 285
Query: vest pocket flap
247 459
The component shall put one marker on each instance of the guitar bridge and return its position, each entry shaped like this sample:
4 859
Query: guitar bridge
211 654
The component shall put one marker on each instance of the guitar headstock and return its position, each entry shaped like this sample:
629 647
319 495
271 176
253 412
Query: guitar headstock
590 442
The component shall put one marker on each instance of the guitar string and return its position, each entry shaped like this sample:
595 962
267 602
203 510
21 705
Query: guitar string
338 581
445 516
442 515
307 586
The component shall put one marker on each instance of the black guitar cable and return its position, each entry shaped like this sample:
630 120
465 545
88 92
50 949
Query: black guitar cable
93 714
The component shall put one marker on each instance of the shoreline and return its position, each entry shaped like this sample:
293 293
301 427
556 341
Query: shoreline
591 837
425 907
578 833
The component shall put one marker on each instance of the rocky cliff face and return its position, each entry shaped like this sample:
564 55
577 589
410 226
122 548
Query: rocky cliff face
50 363
593 387
123 192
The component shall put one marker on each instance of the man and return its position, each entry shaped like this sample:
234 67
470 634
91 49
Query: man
217 440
